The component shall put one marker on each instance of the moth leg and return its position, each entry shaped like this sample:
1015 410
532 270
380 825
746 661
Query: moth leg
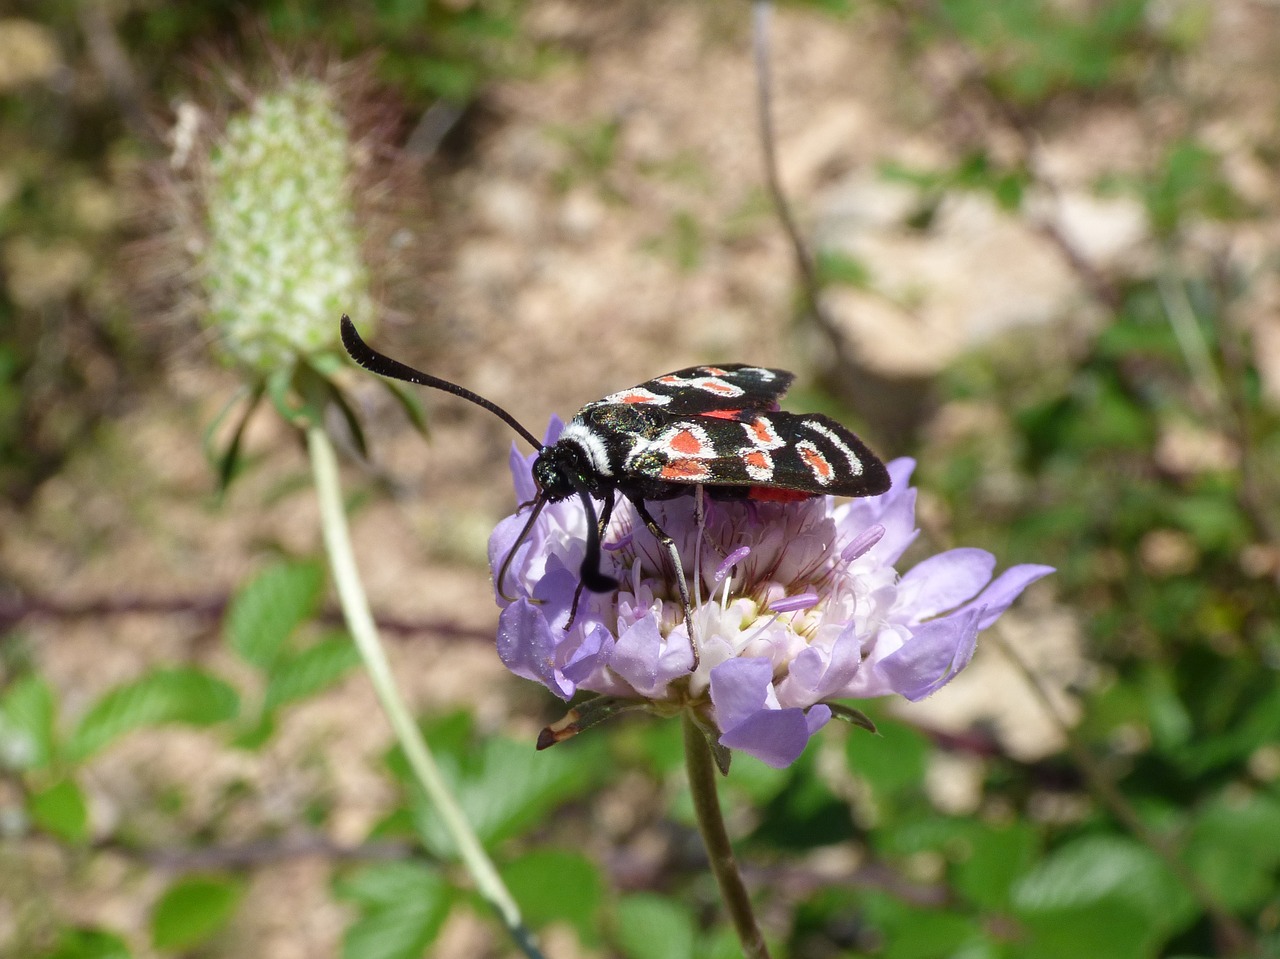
605 515
670 546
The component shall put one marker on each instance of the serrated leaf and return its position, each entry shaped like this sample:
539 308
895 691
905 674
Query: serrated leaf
652 927
553 885
26 724
192 910
1101 896
265 613
403 906
61 810
512 787
184 695
299 675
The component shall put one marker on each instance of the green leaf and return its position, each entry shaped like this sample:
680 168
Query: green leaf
61 810
266 612
991 861
512 788
183 695
89 944
297 676
402 907
1234 847
26 724
892 760
553 885
653 927
1102 896
192 910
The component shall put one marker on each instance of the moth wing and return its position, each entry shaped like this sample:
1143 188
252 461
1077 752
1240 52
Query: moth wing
772 450
723 390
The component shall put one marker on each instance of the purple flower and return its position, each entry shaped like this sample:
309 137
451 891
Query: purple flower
794 604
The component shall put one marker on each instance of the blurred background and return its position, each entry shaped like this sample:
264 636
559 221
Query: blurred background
1044 250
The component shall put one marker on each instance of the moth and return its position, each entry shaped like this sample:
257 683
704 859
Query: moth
717 428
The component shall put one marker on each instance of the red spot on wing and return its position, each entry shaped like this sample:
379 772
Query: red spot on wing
723 414
714 371
687 443
635 398
762 431
759 459
719 386
772 494
684 469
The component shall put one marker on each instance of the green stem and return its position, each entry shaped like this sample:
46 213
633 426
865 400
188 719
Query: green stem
702 772
355 607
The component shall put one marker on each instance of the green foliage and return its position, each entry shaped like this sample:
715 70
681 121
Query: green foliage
89 944
61 810
267 611
27 724
192 910
557 886
186 695
653 927
400 907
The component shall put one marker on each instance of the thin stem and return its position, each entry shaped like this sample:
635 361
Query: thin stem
355 606
701 769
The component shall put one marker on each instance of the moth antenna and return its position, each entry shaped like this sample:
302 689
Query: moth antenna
540 502
375 362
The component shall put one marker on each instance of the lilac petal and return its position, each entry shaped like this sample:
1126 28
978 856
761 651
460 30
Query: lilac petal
554 428
622 543
739 689
527 647
930 659
776 737
944 581
501 540
997 597
862 542
822 674
791 604
894 510
730 561
595 652
522 474
817 717
555 591
639 658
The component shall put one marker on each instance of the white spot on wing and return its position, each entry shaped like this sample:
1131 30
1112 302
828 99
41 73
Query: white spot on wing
855 462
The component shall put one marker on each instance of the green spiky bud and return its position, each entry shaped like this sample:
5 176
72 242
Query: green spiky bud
282 262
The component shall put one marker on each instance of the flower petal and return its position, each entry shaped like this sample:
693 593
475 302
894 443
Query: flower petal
999 596
776 737
930 659
594 652
527 647
944 581
641 659
817 673
739 689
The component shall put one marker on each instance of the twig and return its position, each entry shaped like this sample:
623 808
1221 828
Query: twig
252 855
761 17
21 606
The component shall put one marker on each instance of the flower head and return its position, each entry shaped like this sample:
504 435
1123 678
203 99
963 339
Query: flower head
283 255
794 604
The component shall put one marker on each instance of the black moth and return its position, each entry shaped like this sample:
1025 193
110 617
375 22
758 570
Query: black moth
714 427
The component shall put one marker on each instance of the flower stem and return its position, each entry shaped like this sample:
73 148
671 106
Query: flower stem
701 769
355 607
